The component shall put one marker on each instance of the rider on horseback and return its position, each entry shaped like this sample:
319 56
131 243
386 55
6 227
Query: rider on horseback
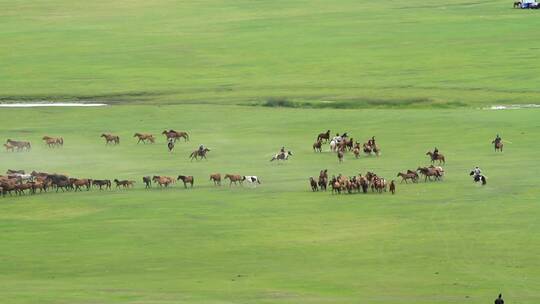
497 139
435 153
477 172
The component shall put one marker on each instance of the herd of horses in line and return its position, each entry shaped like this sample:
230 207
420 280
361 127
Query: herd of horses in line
18 182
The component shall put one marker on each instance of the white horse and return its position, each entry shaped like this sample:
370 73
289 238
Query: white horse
333 145
282 156
251 180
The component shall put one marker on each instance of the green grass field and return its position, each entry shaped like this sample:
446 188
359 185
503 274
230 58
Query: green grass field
438 242
354 53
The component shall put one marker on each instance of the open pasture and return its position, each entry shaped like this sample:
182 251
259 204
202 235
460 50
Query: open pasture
440 242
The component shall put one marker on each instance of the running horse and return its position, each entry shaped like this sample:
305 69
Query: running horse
145 137
199 153
282 156
478 178
498 145
439 157
109 138
19 145
175 135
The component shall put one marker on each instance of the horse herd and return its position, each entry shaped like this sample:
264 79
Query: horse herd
19 183
343 143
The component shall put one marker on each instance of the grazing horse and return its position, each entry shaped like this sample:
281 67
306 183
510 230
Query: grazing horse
163 180
282 156
436 157
102 183
216 178
175 135
325 136
498 145
317 146
234 178
124 183
478 178
313 184
109 138
186 180
145 137
147 180
20 145
199 153
413 176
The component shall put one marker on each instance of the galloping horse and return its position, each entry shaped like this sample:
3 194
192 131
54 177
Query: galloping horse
408 175
176 135
438 157
498 145
325 136
144 137
109 138
199 153
478 178
234 178
282 156
20 145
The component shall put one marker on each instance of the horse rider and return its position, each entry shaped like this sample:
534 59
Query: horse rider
435 153
498 139
201 148
477 172
372 141
499 300
337 138
344 135
170 144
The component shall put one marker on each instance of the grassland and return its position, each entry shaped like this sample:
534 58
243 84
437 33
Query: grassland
355 53
447 242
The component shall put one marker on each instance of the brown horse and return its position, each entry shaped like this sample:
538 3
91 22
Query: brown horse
20 145
186 180
317 146
145 137
392 187
163 180
356 150
124 183
413 176
428 172
199 153
323 179
498 145
79 183
313 184
438 157
9 147
340 156
216 178
234 178
176 135
109 138
325 136
53 142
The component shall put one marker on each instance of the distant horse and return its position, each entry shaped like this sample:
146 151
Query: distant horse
20 145
9 147
439 157
145 137
517 4
392 187
175 135
325 136
413 176
79 183
109 138
323 179
429 172
216 178
163 180
199 153
147 180
251 180
282 156
234 178
101 183
124 183
186 180
498 145
53 142
340 156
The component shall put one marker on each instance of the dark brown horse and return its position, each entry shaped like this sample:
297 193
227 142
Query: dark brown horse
317 146
186 180
325 136
313 184
498 145
216 178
